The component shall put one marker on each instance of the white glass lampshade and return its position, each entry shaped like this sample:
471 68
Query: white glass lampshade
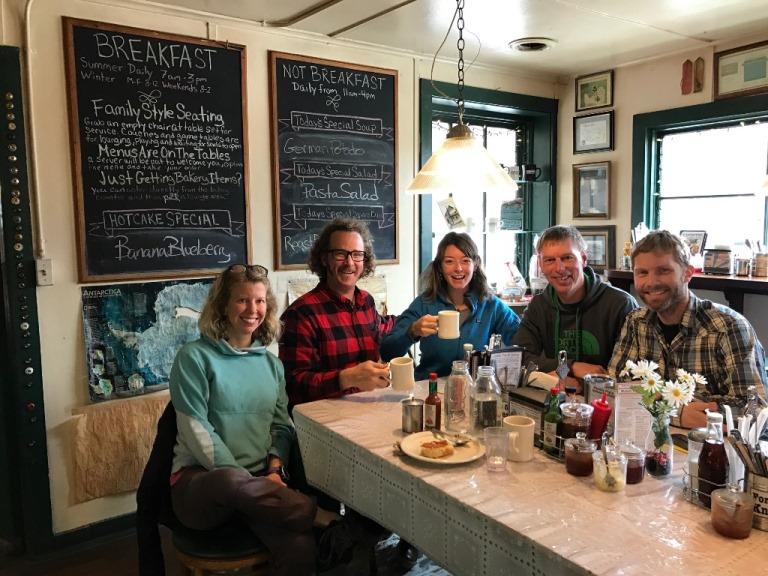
461 164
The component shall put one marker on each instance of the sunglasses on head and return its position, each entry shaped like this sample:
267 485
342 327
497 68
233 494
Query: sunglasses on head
253 269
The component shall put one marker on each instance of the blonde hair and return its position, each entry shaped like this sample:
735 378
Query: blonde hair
213 318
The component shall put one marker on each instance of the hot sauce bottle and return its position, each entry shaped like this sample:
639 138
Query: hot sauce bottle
432 405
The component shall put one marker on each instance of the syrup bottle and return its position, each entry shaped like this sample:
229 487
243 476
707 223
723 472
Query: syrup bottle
713 461
432 405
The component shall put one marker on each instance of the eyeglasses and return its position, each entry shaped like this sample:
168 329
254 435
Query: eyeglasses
254 269
341 255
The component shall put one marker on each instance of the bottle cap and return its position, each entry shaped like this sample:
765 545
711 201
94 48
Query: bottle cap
555 390
433 375
715 417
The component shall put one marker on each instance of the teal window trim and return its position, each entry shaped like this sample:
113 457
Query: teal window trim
646 128
540 112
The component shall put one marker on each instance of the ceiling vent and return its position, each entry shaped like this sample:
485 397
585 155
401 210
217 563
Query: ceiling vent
533 44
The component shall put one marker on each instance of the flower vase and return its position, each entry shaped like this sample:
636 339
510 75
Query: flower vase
659 448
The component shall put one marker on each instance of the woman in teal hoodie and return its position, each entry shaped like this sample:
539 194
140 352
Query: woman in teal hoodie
454 280
235 437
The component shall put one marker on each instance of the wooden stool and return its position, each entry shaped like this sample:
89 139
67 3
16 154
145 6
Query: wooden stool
230 547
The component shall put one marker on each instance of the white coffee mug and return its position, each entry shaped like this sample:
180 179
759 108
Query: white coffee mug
401 373
520 437
448 324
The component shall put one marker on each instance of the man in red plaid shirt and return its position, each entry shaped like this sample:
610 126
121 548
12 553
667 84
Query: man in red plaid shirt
331 335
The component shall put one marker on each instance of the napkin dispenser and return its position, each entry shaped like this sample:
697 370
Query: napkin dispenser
718 261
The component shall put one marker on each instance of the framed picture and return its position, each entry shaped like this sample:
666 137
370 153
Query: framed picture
593 132
601 246
741 71
592 190
696 239
594 91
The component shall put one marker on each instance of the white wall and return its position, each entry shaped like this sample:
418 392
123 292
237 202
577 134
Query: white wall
62 346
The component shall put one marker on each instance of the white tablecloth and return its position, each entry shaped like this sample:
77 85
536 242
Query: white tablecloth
535 518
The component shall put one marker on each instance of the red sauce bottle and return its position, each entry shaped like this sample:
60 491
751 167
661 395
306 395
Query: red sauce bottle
432 405
600 415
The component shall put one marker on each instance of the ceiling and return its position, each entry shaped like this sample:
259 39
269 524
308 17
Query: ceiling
591 35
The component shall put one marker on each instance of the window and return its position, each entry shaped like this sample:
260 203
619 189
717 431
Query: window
493 115
716 164
711 179
504 140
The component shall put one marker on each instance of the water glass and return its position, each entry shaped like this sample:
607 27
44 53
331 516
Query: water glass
496 447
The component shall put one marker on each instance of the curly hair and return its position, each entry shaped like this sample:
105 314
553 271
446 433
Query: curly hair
213 318
323 243
561 232
431 281
664 242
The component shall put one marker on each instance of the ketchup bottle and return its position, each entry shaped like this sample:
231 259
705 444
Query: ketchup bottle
599 417
432 405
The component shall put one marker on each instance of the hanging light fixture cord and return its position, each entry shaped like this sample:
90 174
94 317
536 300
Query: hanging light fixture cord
460 46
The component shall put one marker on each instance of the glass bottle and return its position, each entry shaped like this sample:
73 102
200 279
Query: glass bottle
713 461
552 420
469 355
432 404
626 259
485 400
754 403
456 389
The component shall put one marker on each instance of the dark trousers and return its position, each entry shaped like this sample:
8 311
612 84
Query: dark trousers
282 518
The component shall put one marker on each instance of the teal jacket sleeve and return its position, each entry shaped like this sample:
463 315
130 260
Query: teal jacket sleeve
397 342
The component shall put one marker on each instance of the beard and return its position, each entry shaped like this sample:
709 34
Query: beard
677 294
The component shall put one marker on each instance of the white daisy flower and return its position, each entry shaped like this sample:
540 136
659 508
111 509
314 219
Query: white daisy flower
676 394
644 369
652 383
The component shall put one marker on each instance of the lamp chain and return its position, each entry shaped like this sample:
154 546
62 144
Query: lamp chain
460 46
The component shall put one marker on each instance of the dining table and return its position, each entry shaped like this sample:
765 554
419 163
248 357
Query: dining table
531 519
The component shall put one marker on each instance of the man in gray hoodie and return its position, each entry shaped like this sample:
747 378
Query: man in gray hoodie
578 311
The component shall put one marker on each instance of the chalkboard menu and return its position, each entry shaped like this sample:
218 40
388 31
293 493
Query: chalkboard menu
159 153
333 153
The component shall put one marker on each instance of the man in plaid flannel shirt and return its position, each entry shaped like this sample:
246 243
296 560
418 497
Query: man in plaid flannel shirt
331 335
677 329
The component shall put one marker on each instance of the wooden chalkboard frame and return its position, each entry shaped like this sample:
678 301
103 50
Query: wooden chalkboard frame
383 224
191 260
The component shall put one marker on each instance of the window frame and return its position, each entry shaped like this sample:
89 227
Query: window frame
541 112
646 129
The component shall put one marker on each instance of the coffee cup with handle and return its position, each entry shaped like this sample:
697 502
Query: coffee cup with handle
401 373
448 324
521 429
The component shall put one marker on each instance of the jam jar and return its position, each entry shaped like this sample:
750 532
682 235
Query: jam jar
635 462
576 418
578 455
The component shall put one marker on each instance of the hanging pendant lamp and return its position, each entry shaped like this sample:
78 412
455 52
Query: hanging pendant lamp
462 164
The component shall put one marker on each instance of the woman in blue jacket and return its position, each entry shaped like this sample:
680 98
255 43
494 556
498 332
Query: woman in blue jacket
454 280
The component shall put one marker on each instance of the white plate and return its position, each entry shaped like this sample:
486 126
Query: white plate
411 445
